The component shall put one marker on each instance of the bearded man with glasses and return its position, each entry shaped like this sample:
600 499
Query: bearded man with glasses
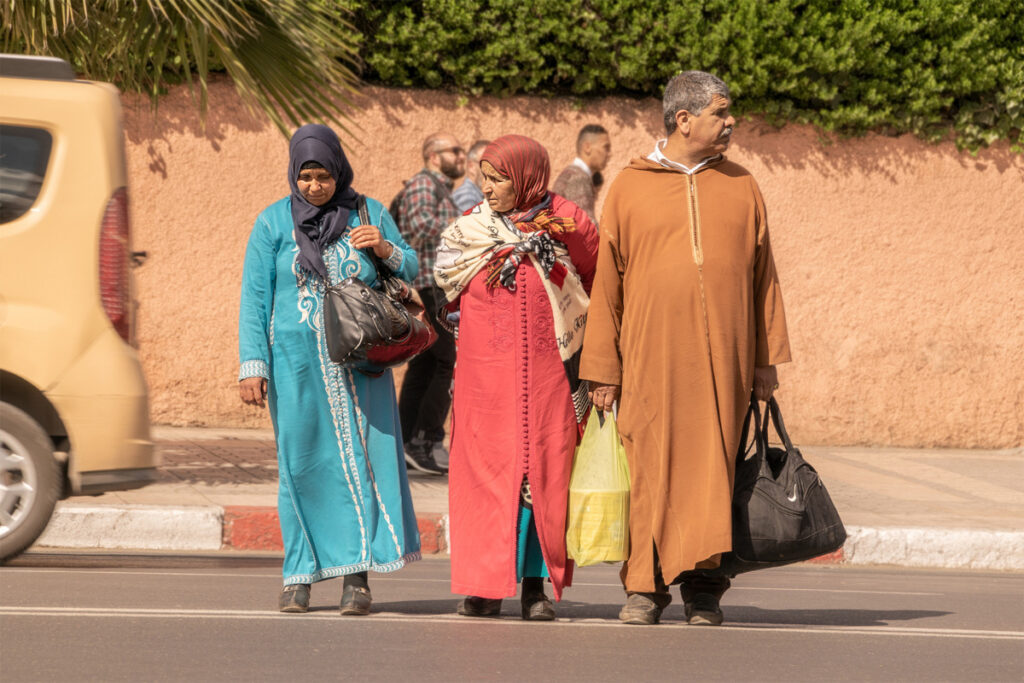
422 210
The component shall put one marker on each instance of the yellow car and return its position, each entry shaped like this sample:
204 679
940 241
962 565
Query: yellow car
74 413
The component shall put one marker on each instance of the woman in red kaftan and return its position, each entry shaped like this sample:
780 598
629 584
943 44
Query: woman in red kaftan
517 269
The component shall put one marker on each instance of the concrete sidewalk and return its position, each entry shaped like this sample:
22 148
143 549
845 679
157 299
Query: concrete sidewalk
916 508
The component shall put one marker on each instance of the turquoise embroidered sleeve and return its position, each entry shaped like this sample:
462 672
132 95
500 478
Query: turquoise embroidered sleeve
257 300
409 265
254 368
394 262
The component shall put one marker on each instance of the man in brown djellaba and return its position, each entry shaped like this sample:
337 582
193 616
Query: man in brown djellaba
685 320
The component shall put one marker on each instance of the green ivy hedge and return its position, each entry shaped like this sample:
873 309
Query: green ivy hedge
926 67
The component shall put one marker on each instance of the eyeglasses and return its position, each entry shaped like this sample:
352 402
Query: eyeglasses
457 151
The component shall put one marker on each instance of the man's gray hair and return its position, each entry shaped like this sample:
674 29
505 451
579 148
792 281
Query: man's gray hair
477 149
692 91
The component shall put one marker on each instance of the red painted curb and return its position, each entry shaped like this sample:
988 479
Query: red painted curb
253 527
432 538
250 527
831 558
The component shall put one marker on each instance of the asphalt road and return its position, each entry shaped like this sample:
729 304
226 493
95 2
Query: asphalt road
212 618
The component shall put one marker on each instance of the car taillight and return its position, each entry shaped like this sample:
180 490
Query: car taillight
115 290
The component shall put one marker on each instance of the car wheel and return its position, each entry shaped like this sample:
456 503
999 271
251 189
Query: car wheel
30 481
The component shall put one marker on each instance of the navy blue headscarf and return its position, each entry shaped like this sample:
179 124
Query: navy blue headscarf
318 226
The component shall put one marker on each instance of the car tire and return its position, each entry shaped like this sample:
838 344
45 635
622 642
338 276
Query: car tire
30 481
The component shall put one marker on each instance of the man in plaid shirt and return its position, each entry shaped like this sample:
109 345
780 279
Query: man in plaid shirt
425 209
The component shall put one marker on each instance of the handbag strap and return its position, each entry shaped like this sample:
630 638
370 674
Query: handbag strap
364 219
388 282
384 274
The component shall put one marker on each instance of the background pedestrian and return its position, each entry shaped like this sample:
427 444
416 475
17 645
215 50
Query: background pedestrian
468 194
424 210
580 181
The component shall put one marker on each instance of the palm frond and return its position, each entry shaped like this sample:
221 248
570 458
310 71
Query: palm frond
295 61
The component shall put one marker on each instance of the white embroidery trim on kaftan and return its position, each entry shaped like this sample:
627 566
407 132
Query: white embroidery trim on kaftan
254 368
309 304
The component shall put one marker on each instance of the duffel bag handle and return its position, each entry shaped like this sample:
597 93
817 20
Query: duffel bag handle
760 438
780 427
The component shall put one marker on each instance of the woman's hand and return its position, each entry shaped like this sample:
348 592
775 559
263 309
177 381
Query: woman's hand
368 236
253 391
604 395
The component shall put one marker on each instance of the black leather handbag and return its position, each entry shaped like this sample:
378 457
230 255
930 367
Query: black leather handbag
371 329
781 512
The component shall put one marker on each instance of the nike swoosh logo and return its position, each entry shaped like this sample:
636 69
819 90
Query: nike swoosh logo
792 499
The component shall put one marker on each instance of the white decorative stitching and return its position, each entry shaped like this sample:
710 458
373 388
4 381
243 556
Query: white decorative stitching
254 368
337 394
397 258
369 467
273 312
339 385
332 572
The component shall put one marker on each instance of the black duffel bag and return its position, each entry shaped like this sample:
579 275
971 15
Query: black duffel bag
781 512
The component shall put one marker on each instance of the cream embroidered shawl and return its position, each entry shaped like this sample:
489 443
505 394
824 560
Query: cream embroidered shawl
465 248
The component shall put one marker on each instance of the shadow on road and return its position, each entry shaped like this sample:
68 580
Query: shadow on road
737 615
826 617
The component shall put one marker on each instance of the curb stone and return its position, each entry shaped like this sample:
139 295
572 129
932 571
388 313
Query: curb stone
237 527
929 547
161 527
144 527
249 527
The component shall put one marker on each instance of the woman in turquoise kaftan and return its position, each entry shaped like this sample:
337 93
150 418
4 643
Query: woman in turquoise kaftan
343 496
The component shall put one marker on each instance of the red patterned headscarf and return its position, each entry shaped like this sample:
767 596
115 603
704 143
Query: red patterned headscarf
525 161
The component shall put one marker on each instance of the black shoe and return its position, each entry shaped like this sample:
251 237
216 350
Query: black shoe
644 609
355 601
704 610
294 598
479 607
537 608
419 457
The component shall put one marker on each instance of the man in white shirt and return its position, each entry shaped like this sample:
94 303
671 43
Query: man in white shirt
468 194
581 179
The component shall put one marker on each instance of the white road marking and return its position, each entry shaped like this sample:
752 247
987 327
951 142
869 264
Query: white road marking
329 615
199 573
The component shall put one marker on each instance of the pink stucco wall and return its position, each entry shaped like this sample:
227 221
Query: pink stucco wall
901 262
